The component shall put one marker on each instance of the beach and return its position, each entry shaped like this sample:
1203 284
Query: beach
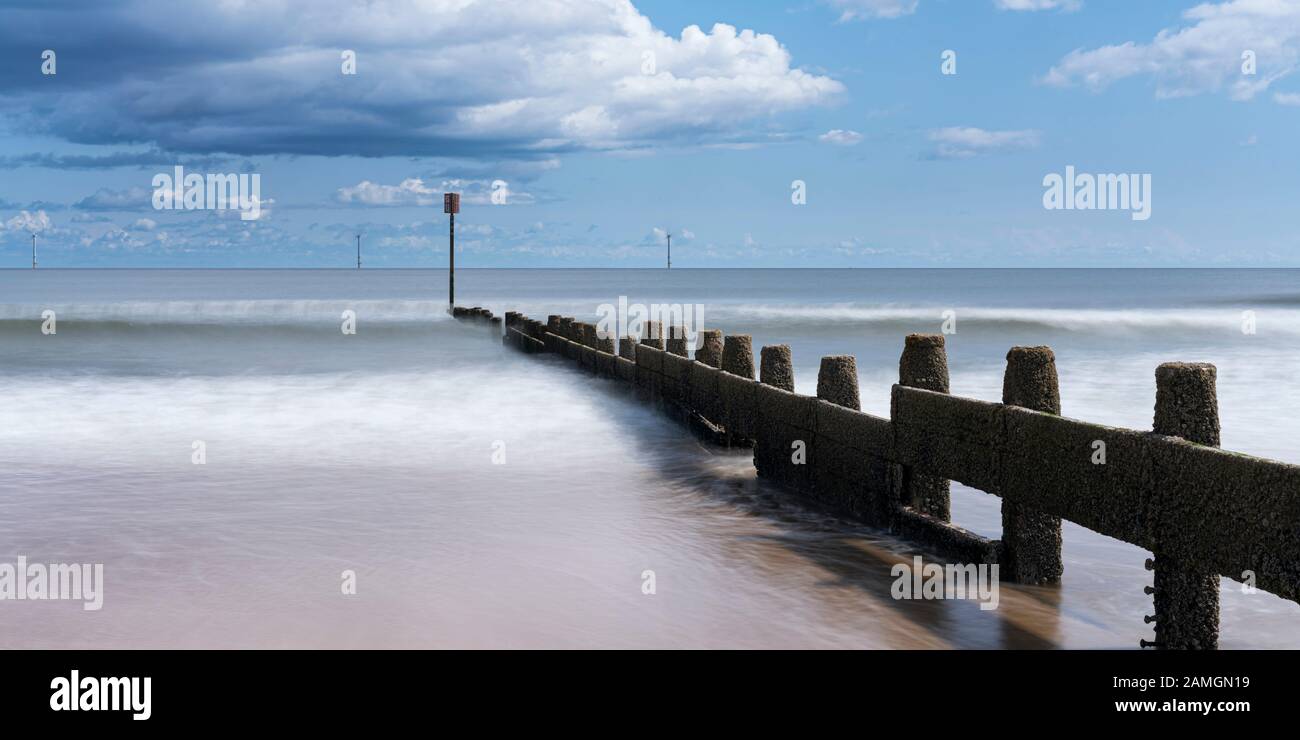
482 499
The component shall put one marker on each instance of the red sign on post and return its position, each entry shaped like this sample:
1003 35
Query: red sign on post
451 202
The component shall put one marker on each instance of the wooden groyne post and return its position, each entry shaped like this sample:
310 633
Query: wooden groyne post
776 367
924 364
1186 594
677 341
710 350
837 381
1031 539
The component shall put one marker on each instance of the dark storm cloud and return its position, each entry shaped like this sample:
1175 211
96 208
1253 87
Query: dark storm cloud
152 158
491 79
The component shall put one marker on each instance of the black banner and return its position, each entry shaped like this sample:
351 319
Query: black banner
934 690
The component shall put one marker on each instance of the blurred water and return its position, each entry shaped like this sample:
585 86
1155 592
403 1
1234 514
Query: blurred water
373 453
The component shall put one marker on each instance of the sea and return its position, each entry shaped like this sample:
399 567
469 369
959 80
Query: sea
251 474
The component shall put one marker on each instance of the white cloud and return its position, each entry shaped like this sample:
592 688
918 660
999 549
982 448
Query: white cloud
658 234
1204 56
1286 98
964 142
414 192
1065 5
144 224
410 192
840 137
29 222
858 9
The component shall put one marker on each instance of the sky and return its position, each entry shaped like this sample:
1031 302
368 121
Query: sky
781 133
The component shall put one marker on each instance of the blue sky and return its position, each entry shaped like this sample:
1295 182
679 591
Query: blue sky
601 153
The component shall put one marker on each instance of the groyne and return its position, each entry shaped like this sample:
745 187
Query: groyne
1203 512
